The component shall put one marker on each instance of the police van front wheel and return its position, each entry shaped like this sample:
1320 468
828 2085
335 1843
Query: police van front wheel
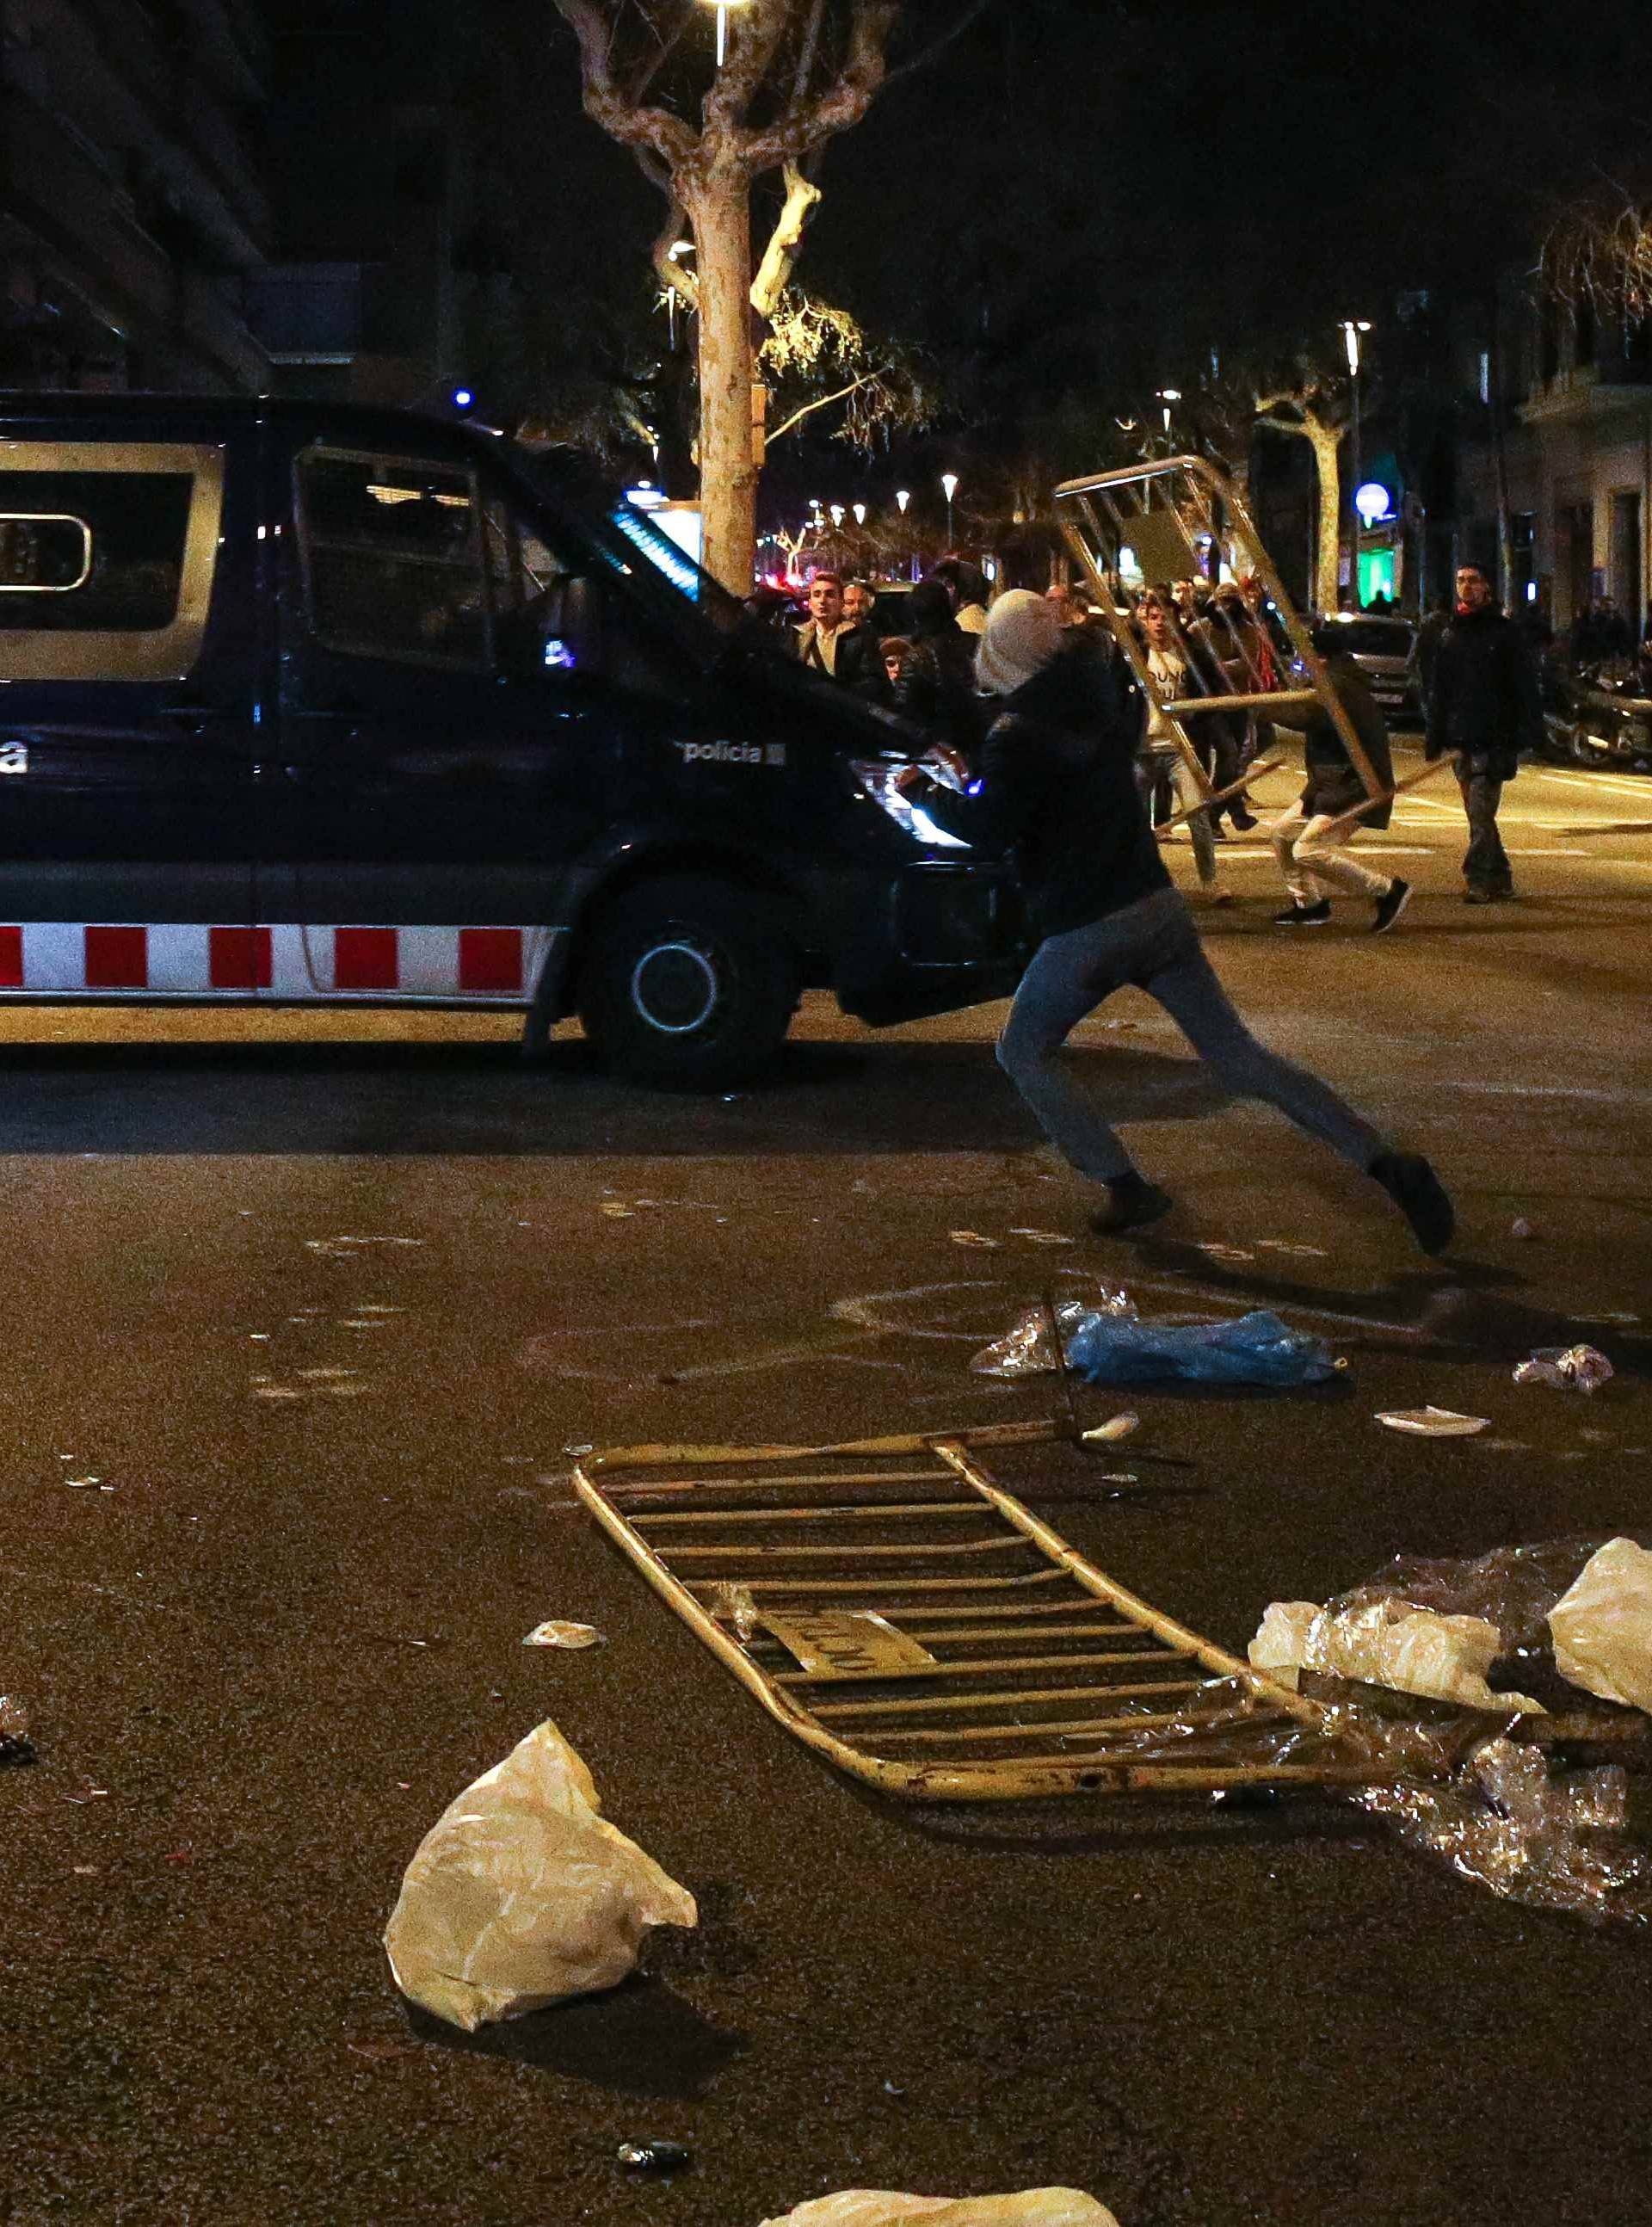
688 985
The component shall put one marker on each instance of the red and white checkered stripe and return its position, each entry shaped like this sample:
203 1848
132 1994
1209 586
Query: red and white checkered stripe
481 965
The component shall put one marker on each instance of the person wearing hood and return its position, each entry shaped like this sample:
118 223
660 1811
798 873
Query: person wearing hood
1484 707
1057 787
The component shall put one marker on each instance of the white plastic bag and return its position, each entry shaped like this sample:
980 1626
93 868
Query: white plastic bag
521 1893
880 2207
1385 1642
1603 1627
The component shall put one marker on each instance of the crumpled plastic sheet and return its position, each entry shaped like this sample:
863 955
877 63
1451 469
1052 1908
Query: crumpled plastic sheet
1256 1349
1601 1626
522 1893
882 2207
1567 1368
1387 1642
1491 1807
1027 1349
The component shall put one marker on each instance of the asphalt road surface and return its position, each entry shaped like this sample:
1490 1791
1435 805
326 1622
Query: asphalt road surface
303 1315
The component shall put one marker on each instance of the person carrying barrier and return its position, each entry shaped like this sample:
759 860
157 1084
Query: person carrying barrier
1057 787
1309 841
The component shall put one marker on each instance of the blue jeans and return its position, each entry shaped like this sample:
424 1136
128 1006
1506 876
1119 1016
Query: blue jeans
1153 945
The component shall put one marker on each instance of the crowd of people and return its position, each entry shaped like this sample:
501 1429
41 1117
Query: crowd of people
1041 739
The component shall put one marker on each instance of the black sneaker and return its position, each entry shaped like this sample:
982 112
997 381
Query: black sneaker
1390 908
1419 1195
1244 821
1297 915
1478 897
1133 1203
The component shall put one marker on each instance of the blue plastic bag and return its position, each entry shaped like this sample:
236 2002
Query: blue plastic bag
1256 1349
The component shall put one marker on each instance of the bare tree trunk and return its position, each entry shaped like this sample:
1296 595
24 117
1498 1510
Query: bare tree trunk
1500 454
719 207
1325 441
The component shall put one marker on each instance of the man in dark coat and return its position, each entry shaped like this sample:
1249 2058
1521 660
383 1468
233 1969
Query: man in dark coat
1311 859
1057 787
834 646
1484 707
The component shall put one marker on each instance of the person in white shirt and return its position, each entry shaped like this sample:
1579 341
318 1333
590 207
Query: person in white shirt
1176 670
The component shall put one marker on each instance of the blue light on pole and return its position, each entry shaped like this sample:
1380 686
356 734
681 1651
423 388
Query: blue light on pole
463 399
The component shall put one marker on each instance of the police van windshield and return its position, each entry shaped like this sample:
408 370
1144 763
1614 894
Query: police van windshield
625 534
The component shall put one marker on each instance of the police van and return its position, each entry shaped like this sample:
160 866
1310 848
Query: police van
309 704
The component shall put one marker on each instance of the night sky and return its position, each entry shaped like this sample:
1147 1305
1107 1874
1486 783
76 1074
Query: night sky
1080 192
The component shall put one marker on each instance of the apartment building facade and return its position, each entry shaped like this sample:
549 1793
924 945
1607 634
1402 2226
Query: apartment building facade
132 201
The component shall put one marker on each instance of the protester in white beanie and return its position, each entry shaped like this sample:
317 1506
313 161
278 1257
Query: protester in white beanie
1023 634
1057 789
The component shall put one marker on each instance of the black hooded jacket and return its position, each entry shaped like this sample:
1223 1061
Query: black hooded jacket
1057 787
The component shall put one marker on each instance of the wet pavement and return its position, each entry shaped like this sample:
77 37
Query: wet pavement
304 1314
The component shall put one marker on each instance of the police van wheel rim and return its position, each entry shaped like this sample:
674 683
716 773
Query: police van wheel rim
674 987
688 983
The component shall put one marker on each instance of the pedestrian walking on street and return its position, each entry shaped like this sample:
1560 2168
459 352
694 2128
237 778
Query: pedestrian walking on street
832 645
1313 861
1057 787
1178 667
1484 708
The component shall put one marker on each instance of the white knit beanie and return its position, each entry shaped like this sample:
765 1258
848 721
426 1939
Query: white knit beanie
1023 634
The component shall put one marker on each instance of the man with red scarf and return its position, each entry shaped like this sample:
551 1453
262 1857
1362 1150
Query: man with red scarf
1483 709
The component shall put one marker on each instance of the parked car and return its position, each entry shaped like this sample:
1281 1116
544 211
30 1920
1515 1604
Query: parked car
1382 648
1599 716
302 703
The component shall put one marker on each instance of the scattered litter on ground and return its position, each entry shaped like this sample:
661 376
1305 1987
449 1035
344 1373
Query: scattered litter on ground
522 1894
616 1212
1566 1367
1227 1253
1027 1349
733 1603
555 1633
882 2207
15 1746
1386 1642
578 1448
1289 1246
974 1237
81 1483
1433 1422
654 2156
1256 1349
1045 1237
1548 1842
1602 1626
1115 1427
1520 1227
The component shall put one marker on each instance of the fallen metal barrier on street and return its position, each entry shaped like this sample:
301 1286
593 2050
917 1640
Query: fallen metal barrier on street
899 1612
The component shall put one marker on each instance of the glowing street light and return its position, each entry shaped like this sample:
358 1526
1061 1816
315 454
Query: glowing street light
1167 395
1351 329
902 497
722 7
837 513
949 489
860 513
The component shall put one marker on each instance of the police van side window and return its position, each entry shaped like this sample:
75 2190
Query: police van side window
394 558
106 559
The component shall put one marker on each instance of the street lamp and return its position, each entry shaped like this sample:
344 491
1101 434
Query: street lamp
722 7
1351 328
902 497
1167 395
949 489
860 513
837 513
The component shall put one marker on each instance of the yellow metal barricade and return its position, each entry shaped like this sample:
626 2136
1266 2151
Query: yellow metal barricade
1144 522
891 1604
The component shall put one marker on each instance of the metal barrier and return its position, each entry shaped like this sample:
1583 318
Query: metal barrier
903 1616
1154 511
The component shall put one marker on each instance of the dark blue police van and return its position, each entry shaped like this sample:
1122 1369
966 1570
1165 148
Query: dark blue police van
304 703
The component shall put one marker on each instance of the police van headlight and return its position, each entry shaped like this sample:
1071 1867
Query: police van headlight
877 778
